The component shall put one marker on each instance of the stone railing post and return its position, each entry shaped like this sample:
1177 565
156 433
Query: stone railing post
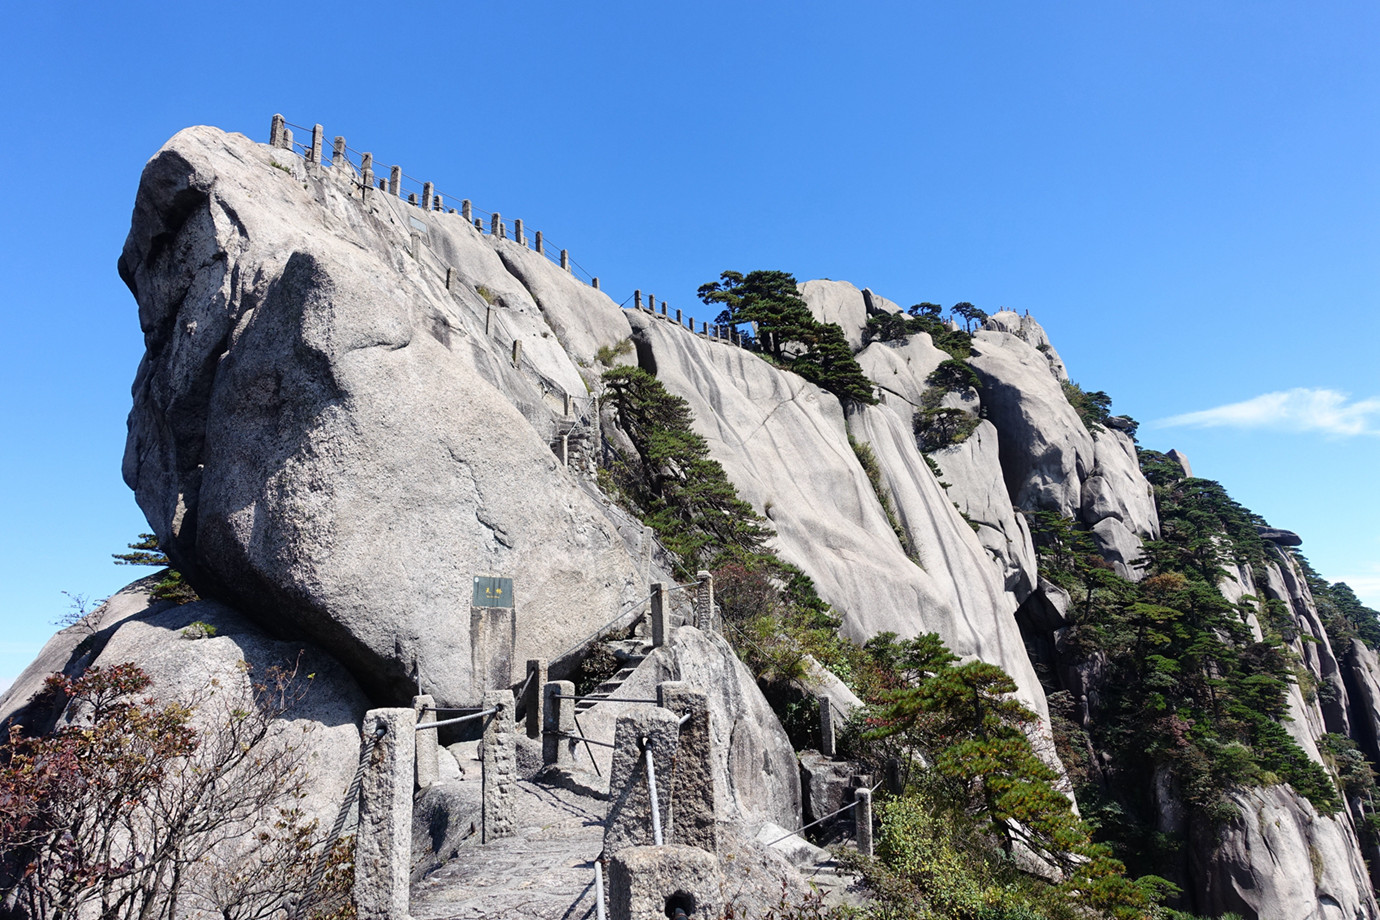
337 150
704 601
594 282
536 680
495 222
517 352
287 138
428 189
383 841
659 612
678 321
637 300
466 210
428 748
275 131
826 726
646 882
318 135
862 820
651 303
395 181
558 719
499 784
693 785
565 259
517 232
539 243
438 203
663 308
629 821
565 450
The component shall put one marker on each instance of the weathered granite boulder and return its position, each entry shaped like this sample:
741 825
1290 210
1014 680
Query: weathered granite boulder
1278 536
328 435
842 304
1032 333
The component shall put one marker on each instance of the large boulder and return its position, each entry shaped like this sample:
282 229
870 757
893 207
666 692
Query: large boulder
345 412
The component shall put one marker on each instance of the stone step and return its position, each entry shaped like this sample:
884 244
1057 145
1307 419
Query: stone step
609 687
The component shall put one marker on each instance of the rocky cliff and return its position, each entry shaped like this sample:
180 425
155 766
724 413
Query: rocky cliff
350 406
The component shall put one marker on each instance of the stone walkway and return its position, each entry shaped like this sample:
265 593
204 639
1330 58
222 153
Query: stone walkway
544 872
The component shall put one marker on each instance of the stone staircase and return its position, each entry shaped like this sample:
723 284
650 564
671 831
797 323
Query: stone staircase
609 687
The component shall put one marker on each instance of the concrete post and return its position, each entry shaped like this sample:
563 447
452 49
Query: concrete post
629 821
366 162
594 282
383 842
517 232
651 882
275 131
862 820
499 763
651 303
893 776
637 300
338 150
691 323
659 612
479 225
467 210
536 680
678 321
540 245
517 352
317 136
566 408
287 138
693 784
704 328
367 179
428 749
495 222
428 189
438 204
704 601
412 198
663 308
826 726
395 181
558 718
450 277
565 259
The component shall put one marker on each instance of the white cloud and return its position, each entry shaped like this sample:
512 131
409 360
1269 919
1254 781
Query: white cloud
1299 409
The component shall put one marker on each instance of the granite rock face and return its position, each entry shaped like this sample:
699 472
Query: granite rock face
324 433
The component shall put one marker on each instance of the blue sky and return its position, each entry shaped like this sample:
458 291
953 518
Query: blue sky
1186 195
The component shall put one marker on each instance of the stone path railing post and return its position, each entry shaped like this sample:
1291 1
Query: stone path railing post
275 131
428 190
694 785
466 210
594 282
395 181
539 243
647 882
629 821
826 726
536 680
704 601
558 719
383 842
637 300
517 232
565 259
862 820
428 748
318 134
500 767
659 611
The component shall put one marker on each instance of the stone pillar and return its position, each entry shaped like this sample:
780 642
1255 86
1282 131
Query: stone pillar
690 813
495 221
317 136
659 611
566 408
540 245
637 300
893 776
594 282
428 749
663 308
428 189
337 150
438 204
412 199
629 821
704 602
536 680
558 718
500 767
565 259
479 225
395 181
704 328
826 726
651 882
275 131
450 277
488 318
565 450
466 210
678 322
691 323
517 352
366 162
287 138
367 179
651 303
383 841
517 232
862 820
